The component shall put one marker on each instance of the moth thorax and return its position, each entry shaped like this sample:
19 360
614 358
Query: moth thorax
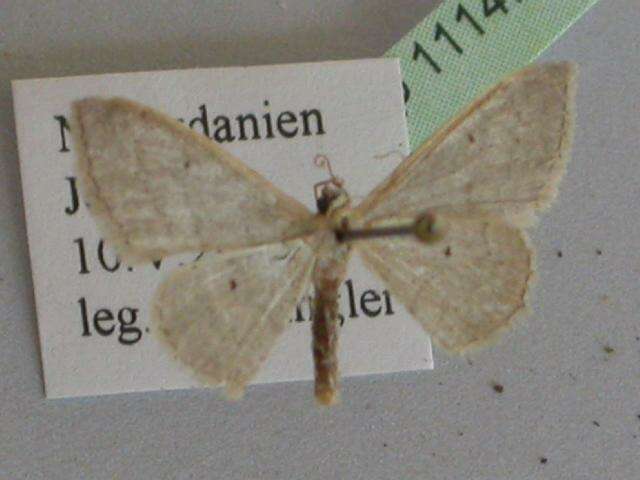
331 199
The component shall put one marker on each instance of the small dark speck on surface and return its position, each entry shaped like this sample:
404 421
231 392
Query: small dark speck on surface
608 349
637 339
440 383
596 423
559 253
385 445
598 251
471 138
543 460
447 251
460 434
498 388
233 284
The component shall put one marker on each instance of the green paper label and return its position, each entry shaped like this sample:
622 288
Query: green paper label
466 46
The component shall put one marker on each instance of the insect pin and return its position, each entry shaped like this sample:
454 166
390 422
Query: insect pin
446 231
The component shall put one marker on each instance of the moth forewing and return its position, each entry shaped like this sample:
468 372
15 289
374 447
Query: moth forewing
504 155
158 188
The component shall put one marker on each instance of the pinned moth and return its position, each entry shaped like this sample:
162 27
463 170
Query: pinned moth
445 231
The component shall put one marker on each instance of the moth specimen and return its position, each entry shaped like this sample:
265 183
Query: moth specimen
445 231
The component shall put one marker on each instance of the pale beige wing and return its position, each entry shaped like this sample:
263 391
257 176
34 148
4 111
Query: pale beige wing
463 289
222 315
505 155
158 188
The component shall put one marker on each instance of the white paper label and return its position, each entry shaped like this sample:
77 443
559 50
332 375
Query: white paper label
93 311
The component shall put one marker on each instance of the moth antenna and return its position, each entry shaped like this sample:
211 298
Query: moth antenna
390 153
322 161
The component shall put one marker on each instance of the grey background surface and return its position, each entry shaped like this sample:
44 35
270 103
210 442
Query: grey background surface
571 372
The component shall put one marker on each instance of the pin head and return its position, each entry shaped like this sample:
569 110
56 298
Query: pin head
428 228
